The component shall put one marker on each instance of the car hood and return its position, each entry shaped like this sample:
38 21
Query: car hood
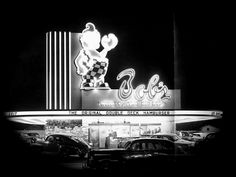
41 143
182 141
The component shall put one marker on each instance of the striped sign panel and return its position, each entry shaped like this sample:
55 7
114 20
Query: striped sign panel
58 70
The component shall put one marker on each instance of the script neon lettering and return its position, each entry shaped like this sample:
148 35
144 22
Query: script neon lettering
154 86
126 87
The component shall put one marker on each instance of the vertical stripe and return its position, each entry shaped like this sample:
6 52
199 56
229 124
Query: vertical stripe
50 70
46 71
55 70
65 75
69 70
60 99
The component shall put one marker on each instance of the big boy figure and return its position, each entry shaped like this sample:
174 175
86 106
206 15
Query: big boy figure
91 64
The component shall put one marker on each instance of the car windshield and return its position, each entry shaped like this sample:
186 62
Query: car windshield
79 140
75 139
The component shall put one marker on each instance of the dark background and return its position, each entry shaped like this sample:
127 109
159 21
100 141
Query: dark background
185 46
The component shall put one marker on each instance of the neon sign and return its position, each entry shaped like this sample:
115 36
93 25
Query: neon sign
76 67
141 92
91 64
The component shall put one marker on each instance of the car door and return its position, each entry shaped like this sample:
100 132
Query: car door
164 151
70 146
51 144
150 152
135 150
138 154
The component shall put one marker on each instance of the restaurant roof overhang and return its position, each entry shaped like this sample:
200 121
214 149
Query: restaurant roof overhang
177 116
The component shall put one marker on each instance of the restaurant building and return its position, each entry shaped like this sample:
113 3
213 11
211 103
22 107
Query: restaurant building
76 89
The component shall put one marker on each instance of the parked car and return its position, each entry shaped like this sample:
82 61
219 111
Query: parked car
211 144
30 137
173 137
186 135
62 145
141 152
198 136
187 146
159 145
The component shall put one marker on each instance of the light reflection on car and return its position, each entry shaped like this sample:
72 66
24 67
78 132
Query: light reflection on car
186 145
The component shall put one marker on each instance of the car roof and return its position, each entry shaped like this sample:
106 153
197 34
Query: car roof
148 139
202 133
64 135
72 137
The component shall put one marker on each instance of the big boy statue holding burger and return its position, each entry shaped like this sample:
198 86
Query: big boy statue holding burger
91 64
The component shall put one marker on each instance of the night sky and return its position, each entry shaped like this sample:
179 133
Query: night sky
183 47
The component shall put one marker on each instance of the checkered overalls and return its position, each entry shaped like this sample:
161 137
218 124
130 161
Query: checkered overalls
93 76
